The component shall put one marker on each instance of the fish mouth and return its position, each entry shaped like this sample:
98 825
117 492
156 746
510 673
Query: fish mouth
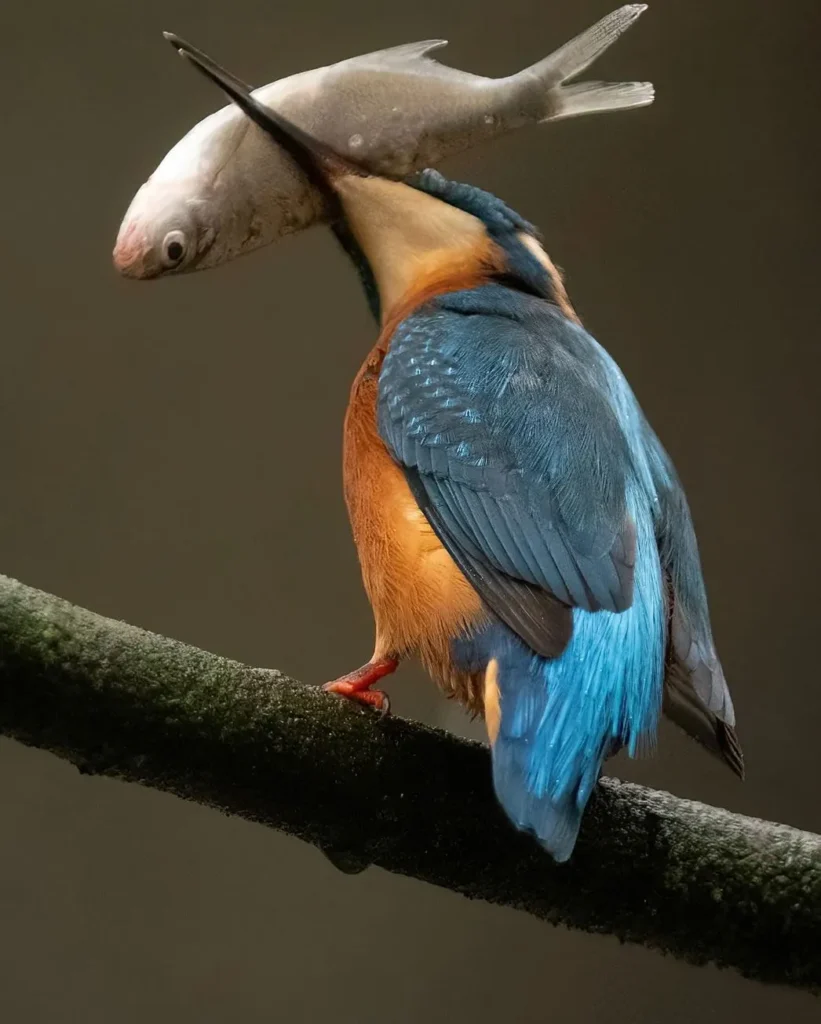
131 254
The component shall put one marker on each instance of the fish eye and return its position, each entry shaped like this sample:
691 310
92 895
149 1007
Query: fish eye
173 248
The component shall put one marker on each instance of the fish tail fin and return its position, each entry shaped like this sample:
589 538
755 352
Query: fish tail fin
573 58
599 97
552 722
578 54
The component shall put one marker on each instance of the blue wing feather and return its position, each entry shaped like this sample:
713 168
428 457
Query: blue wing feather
696 694
535 616
529 455
490 397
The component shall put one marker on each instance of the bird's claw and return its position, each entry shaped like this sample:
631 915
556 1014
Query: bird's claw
357 685
377 699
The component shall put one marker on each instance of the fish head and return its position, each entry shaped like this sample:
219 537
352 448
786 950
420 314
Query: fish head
160 233
173 221
207 203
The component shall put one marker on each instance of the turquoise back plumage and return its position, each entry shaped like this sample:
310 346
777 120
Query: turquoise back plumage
534 464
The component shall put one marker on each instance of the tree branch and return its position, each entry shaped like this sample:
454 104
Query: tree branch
678 876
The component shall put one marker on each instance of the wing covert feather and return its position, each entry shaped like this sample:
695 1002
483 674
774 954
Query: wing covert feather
515 454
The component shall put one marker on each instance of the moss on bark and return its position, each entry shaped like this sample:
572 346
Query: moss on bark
695 881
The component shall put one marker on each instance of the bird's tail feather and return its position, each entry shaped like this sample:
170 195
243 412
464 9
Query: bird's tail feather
559 719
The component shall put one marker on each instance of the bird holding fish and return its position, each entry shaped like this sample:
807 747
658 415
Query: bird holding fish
519 525
223 190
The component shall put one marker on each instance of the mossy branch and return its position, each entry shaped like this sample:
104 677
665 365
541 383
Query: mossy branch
678 876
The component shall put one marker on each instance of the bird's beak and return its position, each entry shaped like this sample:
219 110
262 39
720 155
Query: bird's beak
319 162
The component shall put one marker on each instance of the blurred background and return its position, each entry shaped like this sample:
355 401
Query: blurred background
171 456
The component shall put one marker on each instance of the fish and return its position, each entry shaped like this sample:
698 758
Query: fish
220 192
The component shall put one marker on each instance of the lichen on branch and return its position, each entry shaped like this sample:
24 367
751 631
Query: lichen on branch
695 881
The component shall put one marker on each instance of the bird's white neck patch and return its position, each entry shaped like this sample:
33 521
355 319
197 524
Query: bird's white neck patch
409 237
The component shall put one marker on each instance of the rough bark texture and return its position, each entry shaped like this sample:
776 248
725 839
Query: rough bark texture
678 876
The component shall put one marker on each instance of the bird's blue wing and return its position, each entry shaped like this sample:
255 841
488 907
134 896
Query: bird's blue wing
498 409
696 695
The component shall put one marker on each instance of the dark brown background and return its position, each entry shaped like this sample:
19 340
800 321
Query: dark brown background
170 456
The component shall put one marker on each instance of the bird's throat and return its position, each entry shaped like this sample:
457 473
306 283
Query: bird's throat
415 244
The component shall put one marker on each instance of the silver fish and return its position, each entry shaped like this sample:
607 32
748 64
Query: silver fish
223 190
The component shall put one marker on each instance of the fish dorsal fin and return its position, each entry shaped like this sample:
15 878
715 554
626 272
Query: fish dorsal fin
405 53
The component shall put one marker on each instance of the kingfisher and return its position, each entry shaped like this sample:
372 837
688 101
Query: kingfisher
520 528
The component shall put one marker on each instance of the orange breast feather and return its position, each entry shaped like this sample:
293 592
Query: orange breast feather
420 599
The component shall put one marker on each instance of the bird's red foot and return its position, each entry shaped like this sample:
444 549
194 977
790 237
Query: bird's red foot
357 685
